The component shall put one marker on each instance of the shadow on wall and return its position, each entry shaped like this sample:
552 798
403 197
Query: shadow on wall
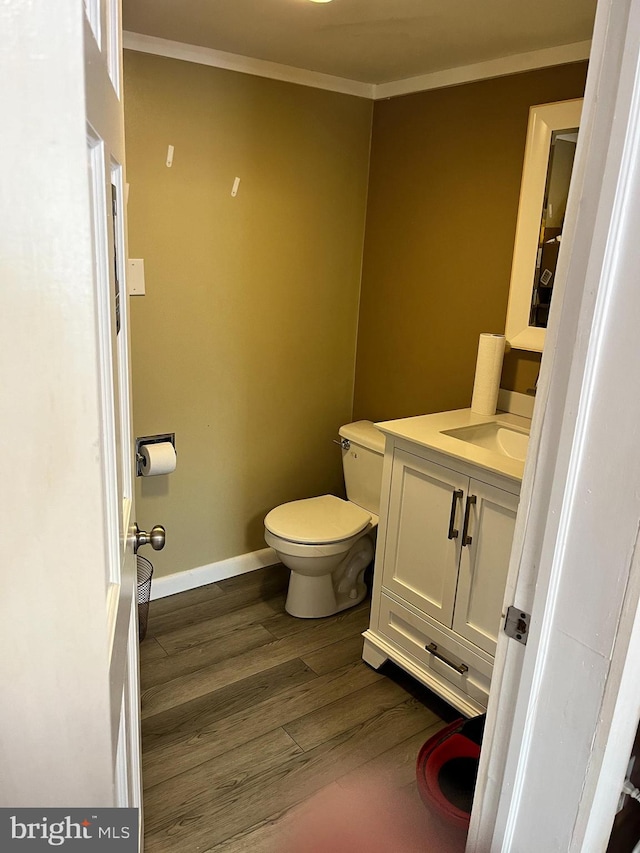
520 370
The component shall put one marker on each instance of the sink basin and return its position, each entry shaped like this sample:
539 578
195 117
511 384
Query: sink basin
501 438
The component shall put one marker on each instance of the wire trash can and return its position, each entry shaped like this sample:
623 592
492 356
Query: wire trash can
145 573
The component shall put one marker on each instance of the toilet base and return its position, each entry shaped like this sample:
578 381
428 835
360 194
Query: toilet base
313 598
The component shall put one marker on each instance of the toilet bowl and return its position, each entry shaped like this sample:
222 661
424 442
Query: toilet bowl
326 541
334 544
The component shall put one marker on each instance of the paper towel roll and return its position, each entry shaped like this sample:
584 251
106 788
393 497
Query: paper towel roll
488 370
157 458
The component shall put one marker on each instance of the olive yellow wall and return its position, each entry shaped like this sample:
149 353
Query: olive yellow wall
442 206
245 342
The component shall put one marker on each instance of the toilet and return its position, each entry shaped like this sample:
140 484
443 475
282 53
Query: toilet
328 542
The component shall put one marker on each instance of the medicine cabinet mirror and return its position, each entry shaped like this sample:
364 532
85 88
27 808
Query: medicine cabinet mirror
548 161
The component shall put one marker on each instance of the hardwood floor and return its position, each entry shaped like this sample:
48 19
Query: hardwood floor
248 712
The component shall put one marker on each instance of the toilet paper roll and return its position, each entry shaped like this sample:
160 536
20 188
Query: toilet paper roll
157 459
488 370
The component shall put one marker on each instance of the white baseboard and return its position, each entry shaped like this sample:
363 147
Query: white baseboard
201 576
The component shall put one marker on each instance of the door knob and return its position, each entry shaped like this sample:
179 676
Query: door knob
155 538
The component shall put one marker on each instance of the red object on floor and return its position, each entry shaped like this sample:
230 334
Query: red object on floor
446 745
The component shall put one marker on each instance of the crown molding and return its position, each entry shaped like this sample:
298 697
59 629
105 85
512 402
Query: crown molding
502 67
245 64
437 80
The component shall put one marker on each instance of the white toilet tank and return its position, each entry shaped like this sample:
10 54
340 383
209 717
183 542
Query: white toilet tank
362 464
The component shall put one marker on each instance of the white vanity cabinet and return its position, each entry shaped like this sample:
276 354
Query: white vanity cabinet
444 541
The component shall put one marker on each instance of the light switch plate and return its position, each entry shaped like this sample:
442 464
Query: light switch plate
135 277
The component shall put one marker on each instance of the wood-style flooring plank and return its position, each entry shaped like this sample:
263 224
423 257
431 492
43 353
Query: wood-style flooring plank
291 782
150 650
194 658
202 786
335 655
172 603
206 630
325 723
181 639
273 834
283 625
161 697
216 605
395 768
187 719
204 737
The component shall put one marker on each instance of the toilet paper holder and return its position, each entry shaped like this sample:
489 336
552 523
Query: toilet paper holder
151 439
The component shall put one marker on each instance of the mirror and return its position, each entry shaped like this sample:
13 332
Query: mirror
548 160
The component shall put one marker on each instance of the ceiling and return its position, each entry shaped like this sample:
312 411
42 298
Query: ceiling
370 41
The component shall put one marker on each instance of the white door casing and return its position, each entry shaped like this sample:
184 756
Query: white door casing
68 720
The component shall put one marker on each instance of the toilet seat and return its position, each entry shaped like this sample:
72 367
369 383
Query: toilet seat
298 549
317 521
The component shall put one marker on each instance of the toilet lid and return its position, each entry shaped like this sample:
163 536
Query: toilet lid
315 521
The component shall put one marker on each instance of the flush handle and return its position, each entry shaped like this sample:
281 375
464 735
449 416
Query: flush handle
155 538
456 496
344 443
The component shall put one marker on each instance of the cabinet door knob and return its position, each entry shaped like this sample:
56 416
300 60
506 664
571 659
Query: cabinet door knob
466 539
456 496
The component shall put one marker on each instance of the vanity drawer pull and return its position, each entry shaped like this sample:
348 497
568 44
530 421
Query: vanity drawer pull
466 539
432 648
457 495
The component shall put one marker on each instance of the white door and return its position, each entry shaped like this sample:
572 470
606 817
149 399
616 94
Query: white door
69 714
106 160
423 534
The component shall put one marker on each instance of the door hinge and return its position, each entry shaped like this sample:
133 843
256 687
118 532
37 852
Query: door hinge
517 624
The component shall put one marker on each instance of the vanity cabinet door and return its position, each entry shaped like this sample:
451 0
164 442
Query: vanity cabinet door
483 564
422 548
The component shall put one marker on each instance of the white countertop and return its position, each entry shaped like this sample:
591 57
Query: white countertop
427 431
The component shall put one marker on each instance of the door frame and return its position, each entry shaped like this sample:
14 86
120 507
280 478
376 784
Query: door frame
570 699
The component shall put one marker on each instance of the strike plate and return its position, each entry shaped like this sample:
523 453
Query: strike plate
517 624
